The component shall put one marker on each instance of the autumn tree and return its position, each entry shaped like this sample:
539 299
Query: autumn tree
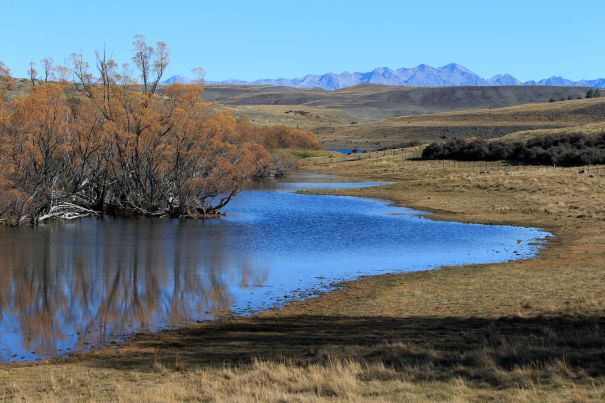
110 142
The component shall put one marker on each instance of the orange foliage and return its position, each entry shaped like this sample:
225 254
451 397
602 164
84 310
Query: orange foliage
275 137
114 145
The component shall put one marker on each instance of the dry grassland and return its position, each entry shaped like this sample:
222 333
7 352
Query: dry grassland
521 331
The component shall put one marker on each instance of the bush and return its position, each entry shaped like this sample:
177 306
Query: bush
593 93
279 137
567 150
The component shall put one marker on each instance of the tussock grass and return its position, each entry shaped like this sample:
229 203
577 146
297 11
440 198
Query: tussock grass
589 129
344 381
520 121
373 117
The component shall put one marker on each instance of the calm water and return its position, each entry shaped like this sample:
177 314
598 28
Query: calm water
346 151
78 285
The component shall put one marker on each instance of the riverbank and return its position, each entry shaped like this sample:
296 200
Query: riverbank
529 330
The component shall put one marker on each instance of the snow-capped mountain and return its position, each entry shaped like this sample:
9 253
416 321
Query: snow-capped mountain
451 75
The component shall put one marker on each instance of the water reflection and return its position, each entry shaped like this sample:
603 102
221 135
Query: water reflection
71 286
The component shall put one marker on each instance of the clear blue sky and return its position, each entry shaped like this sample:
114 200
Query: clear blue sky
247 39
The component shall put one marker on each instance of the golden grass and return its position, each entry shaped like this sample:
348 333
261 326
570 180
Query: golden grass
577 115
589 129
342 119
273 382
520 331
301 116
573 111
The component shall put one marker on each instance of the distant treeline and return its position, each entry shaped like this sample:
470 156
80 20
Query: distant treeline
592 93
566 150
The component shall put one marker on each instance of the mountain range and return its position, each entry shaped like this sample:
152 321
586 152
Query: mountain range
451 75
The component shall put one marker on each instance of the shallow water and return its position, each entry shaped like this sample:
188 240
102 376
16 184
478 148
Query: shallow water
346 151
79 285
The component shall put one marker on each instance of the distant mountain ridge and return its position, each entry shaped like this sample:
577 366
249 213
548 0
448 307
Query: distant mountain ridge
450 75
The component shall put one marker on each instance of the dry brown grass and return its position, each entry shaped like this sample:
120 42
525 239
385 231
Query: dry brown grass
372 117
568 112
589 129
294 115
530 330
566 116
273 382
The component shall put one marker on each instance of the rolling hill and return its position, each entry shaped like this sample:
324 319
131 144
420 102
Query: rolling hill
370 102
519 121
377 116
372 116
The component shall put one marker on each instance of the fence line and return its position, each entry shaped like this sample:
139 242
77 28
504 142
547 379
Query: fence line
481 166
406 153
510 168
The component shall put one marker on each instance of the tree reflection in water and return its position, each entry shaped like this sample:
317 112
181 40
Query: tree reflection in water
70 286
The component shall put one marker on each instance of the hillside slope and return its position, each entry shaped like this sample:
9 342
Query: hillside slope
528 120
368 102
372 117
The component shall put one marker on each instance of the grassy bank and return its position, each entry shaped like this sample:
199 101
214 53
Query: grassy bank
529 330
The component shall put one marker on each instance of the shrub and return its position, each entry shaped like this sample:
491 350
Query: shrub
593 93
568 150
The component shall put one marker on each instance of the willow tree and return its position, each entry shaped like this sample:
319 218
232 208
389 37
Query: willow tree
108 142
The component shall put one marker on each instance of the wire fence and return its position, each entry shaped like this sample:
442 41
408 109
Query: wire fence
510 168
415 154
402 152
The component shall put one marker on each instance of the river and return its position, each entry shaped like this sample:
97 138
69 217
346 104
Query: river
75 286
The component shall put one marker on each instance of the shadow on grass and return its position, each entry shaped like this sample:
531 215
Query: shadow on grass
483 350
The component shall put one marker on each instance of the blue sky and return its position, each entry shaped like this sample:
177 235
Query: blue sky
530 39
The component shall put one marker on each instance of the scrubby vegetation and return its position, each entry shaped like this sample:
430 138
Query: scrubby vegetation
77 143
593 93
566 150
